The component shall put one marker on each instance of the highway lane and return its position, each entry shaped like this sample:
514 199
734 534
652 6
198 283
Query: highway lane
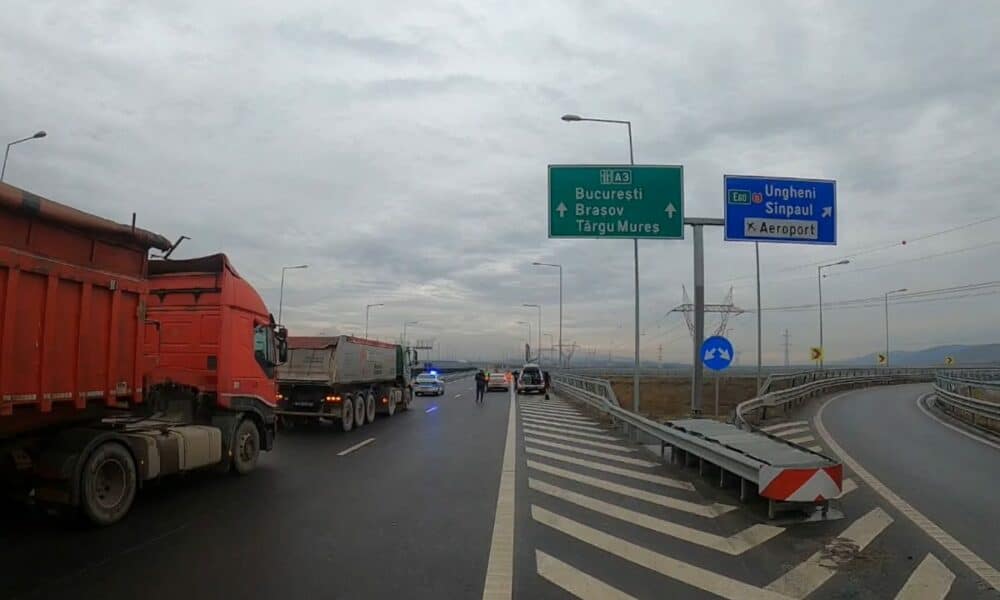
408 515
950 478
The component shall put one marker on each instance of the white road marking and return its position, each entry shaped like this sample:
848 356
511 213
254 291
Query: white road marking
355 447
597 466
585 425
792 431
499 582
969 558
562 409
931 580
777 426
593 436
556 436
813 572
968 434
555 415
431 409
575 581
815 448
550 421
801 439
702 510
703 579
733 545
599 454
458 395
847 486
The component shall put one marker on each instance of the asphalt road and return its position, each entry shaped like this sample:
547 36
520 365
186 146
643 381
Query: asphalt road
409 515
952 479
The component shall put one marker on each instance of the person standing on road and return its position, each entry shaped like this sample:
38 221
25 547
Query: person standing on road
480 386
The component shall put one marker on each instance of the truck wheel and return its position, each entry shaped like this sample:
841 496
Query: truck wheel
370 408
359 410
390 409
246 447
108 484
407 398
347 415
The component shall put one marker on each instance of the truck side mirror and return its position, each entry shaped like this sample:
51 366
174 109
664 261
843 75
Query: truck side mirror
282 351
416 357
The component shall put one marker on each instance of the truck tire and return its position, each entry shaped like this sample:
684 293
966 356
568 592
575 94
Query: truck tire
390 408
347 415
359 410
407 398
108 484
370 408
246 447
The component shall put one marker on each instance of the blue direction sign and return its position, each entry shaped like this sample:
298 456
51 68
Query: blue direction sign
717 352
769 209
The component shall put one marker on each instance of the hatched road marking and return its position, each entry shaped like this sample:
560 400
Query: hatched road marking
703 510
535 421
809 575
792 431
703 579
355 447
659 479
931 580
580 423
969 558
596 453
733 545
574 581
593 436
800 440
777 426
550 415
556 436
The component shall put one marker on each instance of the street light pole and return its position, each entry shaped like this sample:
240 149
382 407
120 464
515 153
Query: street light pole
37 135
528 323
887 294
281 292
819 281
635 254
541 264
539 307
368 308
402 340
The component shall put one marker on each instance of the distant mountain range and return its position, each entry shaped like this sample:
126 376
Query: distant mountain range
963 355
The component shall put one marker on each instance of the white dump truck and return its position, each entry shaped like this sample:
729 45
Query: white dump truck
342 378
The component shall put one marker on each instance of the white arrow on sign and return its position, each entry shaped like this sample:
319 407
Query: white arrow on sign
561 209
670 211
827 211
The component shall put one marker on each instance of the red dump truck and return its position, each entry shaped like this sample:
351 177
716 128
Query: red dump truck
116 369
342 378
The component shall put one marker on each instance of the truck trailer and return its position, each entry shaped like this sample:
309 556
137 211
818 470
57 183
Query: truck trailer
342 378
117 369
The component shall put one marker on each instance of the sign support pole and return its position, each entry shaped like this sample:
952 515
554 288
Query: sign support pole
756 250
698 375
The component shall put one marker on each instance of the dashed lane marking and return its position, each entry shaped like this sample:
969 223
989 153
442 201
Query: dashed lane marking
347 451
703 579
733 545
575 581
606 468
596 453
810 574
702 510
499 584
552 421
969 558
593 436
575 440
431 409
931 580
777 426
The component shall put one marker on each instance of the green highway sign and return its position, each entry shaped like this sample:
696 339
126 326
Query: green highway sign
616 201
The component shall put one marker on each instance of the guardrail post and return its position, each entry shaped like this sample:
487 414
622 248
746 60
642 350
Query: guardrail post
744 490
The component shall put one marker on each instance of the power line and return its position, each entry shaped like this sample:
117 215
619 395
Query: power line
906 298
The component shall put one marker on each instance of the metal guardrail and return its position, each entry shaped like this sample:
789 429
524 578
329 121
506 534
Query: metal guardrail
949 385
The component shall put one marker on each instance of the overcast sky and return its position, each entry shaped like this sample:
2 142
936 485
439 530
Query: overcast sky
400 149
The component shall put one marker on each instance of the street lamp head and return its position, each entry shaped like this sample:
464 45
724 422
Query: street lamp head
844 262
40 134
531 305
297 267
568 117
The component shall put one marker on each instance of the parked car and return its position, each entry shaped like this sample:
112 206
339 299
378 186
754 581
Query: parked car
531 380
428 384
498 381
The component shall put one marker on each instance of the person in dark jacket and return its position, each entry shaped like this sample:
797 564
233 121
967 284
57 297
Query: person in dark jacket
480 386
548 383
